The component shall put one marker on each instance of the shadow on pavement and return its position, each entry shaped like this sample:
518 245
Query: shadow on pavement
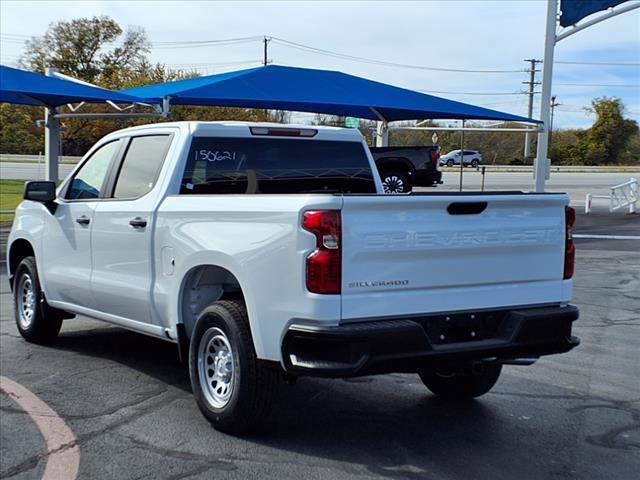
389 424
151 356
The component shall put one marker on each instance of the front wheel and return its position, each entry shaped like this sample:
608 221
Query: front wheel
463 385
233 388
449 163
396 182
37 322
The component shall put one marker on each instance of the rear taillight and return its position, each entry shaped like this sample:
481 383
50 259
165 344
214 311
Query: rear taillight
324 264
434 155
569 247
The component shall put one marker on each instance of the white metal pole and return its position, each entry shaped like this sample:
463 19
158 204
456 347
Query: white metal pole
382 134
540 165
51 139
461 153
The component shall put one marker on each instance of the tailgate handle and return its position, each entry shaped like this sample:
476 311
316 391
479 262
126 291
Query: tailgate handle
466 208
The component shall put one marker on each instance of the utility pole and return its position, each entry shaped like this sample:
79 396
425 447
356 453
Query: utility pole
553 107
532 84
266 41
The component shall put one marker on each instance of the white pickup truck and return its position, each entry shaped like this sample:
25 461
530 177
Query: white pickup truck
268 252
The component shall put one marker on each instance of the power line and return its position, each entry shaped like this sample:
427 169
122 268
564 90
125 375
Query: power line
14 38
610 64
612 85
334 54
211 64
473 93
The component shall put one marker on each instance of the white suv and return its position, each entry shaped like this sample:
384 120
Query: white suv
472 158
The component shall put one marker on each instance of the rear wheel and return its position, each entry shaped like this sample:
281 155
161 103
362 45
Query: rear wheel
233 388
475 163
462 385
37 322
396 182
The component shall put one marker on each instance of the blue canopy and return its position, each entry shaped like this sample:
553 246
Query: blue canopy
317 91
572 11
28 88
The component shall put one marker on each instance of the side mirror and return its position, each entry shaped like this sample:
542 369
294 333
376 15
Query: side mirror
43 192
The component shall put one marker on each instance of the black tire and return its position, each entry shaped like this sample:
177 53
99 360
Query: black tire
396 182
37 322
475 163
450 163
462 385
252 383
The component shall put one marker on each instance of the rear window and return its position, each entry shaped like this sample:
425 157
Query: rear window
270 166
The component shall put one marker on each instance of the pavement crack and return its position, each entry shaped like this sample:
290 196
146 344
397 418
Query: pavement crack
116 408
29 464
208 462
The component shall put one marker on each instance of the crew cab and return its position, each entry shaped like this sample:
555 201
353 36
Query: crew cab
269 252
402 168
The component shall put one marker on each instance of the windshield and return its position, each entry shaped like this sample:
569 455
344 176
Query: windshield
271 166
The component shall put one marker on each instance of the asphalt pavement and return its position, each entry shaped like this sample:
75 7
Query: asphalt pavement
128 401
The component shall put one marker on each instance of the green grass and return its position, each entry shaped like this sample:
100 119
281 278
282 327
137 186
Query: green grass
10 197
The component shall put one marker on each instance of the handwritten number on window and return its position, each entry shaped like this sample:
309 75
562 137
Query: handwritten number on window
215 155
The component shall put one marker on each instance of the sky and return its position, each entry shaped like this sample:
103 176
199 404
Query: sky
468 35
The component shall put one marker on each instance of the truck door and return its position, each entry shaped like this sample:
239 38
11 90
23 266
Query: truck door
123 231
66 248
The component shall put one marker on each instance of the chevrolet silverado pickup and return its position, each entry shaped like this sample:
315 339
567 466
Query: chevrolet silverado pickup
269 252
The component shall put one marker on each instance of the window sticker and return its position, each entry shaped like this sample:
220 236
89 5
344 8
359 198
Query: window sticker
215 155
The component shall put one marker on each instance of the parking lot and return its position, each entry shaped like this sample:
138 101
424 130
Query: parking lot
126 397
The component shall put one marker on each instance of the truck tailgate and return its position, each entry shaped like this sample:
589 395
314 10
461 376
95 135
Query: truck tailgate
417 254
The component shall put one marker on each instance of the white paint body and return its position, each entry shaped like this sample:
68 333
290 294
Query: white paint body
401 254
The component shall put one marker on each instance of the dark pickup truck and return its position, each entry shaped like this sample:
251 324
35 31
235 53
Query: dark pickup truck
402 168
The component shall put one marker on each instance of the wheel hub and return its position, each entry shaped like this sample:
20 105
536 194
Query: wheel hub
393 184
26 300
215 367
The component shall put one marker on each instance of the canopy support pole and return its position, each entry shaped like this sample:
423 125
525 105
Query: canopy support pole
382 134
382 129
51 144
51 138
461 153
540 166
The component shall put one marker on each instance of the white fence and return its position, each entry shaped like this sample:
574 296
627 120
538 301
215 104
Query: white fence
625 195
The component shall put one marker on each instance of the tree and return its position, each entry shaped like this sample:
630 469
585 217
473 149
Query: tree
86 48
609 136
98 51
18 131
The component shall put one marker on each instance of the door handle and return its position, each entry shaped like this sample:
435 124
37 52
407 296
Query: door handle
138 222
466 208
83 220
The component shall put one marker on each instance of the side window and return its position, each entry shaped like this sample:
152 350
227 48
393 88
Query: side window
87 182
141 165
